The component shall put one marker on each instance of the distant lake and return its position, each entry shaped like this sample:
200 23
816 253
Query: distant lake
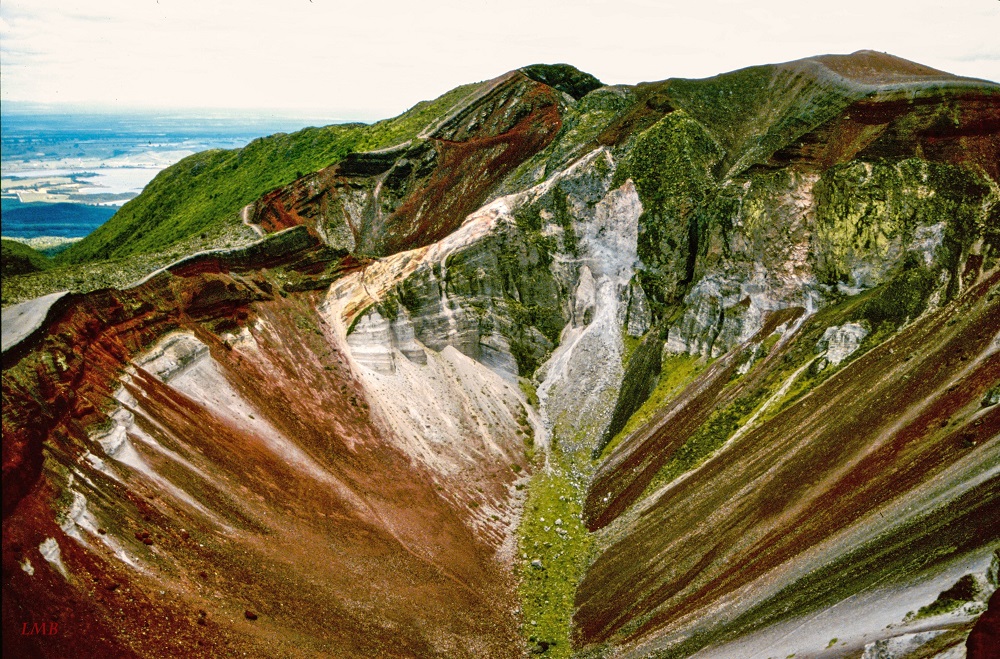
64 220
105 159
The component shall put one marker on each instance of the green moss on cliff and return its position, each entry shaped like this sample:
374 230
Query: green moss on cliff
867 213
901 299
641 373
565 220
564 77
676 372
712 434
530 294
504 284
755 111
671 165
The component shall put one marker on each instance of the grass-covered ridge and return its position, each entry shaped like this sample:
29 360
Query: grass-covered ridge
755 111
19 259
564 77
207 190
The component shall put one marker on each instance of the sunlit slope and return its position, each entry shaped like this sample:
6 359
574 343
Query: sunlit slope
207 190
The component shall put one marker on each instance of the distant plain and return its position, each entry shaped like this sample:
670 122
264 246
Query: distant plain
64 173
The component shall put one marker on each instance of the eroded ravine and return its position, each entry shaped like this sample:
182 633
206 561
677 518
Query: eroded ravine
284 500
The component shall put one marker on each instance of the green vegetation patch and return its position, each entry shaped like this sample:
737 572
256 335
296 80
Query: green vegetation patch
671 165
554 551
901 299
755 111
965 590
529 391
564 218
564 77
530 295
676 372
641 372
18 258
866 209
712 434
411 123
936 608
209 188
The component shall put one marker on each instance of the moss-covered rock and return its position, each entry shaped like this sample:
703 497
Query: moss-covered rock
564 77
870 214
755 111
641 375
671 165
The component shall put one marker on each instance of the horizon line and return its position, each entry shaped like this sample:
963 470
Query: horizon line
337 116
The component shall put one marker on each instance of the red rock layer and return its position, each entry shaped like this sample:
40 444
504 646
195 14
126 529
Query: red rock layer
863 441
360 555
472 153
984 640
960 128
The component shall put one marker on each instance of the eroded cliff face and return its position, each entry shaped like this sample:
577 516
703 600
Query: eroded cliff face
379 203
526 285
580 372
209 479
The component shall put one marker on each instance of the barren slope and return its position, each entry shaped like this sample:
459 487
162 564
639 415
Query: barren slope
181 493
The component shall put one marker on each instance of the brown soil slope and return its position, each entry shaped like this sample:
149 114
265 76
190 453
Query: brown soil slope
277 521
867 443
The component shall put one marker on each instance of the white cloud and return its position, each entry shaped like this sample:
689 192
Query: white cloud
374 58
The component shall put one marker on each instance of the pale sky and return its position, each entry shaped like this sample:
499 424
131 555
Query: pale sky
369 59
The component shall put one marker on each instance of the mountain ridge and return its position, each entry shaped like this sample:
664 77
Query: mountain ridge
590 371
